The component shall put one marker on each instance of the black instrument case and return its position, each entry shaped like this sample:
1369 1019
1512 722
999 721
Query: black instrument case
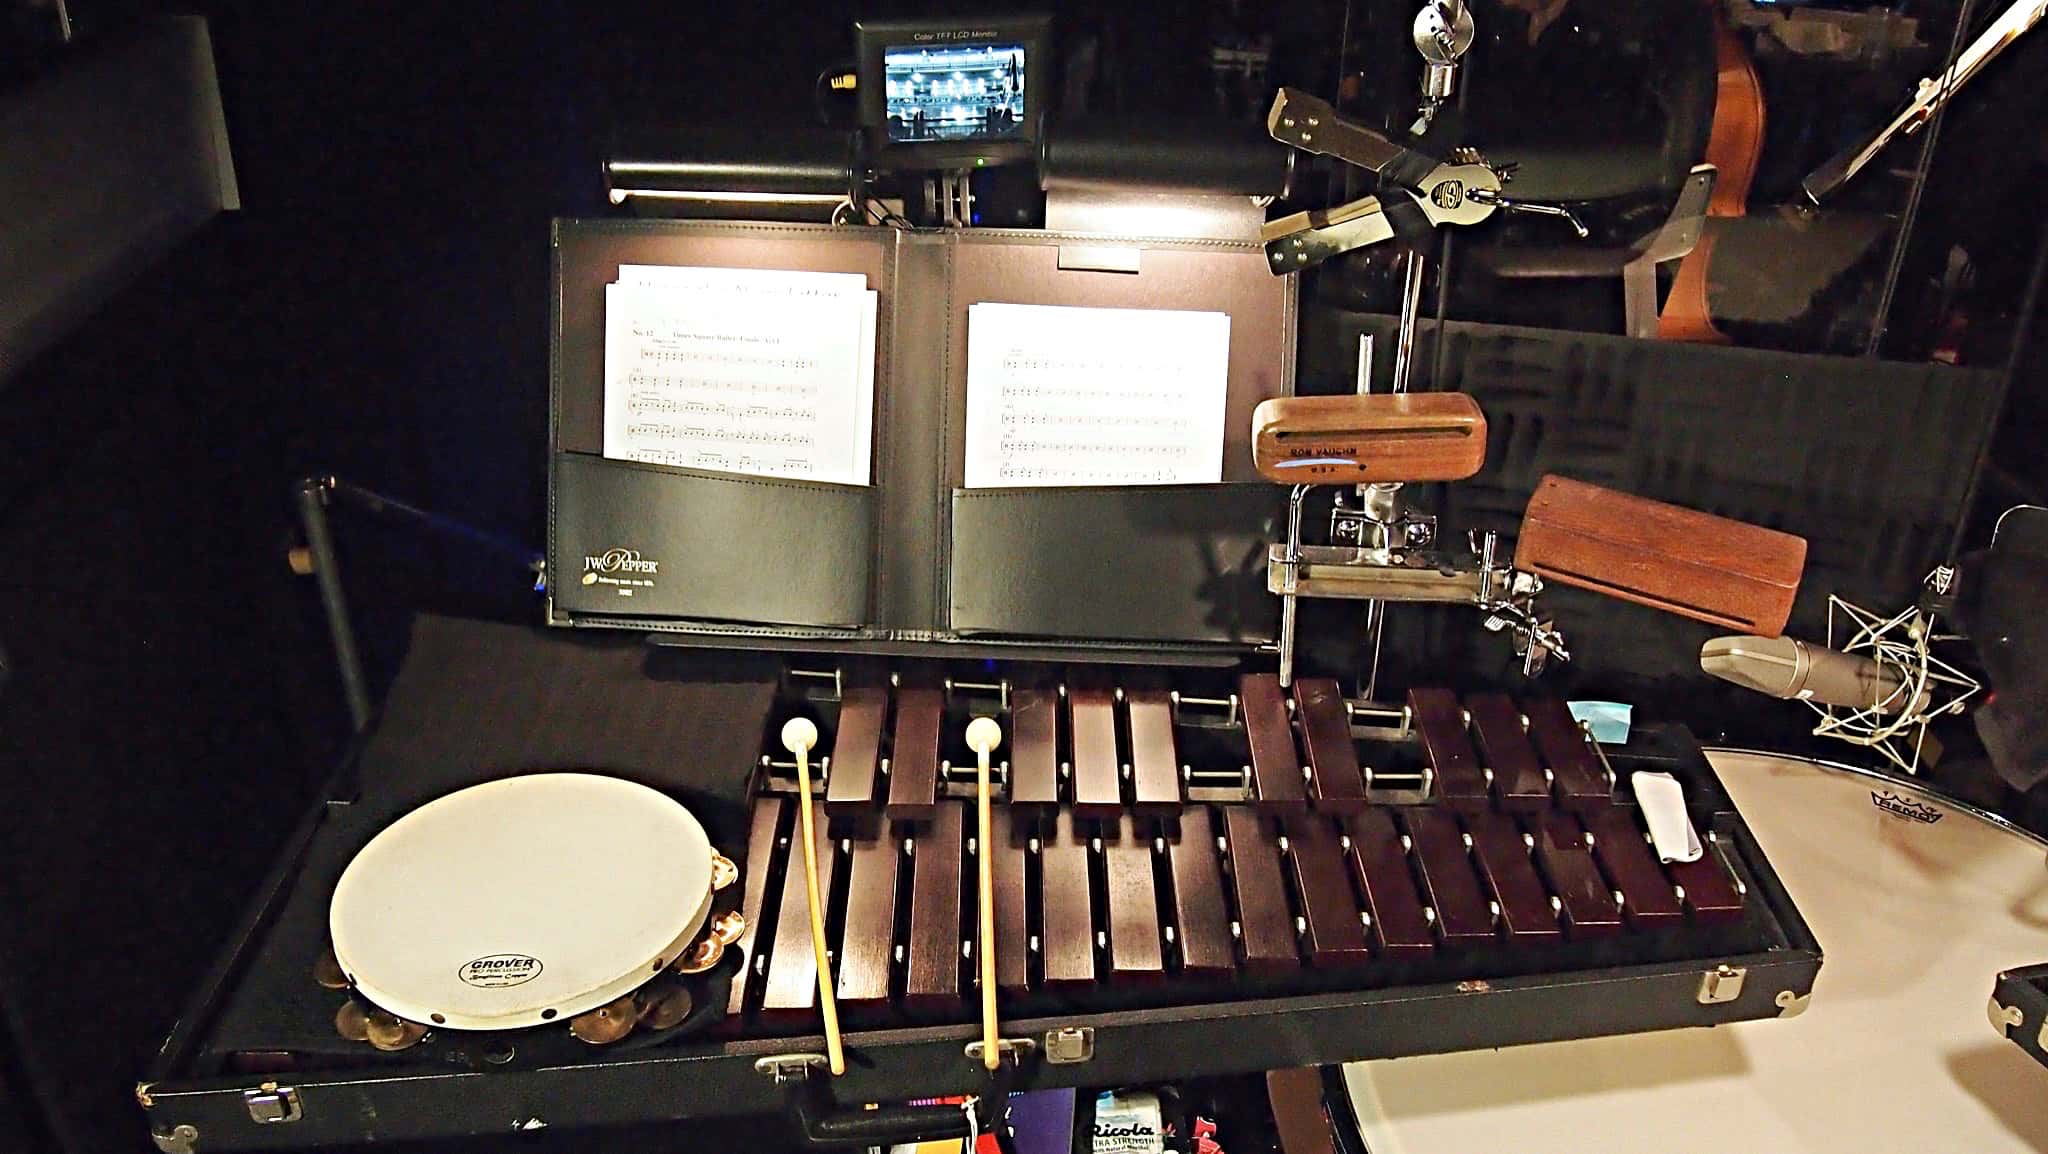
773 597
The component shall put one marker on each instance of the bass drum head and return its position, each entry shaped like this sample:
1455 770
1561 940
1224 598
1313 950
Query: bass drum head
521 901
1917 904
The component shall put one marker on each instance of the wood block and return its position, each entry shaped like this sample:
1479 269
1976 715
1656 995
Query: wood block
1358 440
1724 572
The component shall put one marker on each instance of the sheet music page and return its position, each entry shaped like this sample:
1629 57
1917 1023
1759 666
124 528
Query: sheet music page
741 370
1058 395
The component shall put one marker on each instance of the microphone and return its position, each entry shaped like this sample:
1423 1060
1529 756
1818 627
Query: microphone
1789 668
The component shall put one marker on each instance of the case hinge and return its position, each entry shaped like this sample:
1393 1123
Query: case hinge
271 1104
1018 1048
1721 984
789 1067
2004 1017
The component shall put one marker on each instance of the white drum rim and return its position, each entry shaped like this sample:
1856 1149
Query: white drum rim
1877 775
558 1010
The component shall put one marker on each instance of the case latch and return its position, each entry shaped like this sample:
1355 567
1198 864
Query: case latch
1721 984
271 1104
1073 1044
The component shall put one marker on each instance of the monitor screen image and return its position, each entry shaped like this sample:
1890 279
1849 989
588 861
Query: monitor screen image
956 92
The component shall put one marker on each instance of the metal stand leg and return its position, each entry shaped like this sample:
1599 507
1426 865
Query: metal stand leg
1382 500
312 496
1411 305
1375 629
1291 568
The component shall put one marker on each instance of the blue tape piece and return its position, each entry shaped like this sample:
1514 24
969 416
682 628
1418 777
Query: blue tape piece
1609 720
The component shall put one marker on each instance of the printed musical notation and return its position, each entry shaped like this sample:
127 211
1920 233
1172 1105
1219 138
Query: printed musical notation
1060 396
640 404
660 356
741 370
1026 476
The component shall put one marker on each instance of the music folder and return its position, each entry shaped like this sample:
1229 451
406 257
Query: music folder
928 548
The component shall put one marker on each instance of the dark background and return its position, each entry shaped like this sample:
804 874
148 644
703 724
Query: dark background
378 310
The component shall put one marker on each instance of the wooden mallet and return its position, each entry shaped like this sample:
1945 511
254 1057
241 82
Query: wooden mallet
799 735
983 735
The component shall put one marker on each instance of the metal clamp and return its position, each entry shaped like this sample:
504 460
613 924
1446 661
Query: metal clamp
178 1139
1496 199
1361 529
1443 33
1505 595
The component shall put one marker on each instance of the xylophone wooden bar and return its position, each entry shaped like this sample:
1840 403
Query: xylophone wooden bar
914 754
931 975
1334 934
1266 926
1135 946
1066 905
1155 762
1517 776
1648 900
1276 768
1201 915
791 990
857 751
1034 749
1399 927
1010 829
764 828
1709 892
1440 724
868 944
1581 782
1583 897
1091 722
1448 883
1334 776
1503 859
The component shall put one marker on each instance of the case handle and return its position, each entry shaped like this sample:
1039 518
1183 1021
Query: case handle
823 1124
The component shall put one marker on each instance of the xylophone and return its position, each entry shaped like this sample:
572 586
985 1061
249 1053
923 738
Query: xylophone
1193 873
1149 848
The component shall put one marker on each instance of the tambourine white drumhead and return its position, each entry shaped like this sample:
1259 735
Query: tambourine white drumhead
521 901
1895 1052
